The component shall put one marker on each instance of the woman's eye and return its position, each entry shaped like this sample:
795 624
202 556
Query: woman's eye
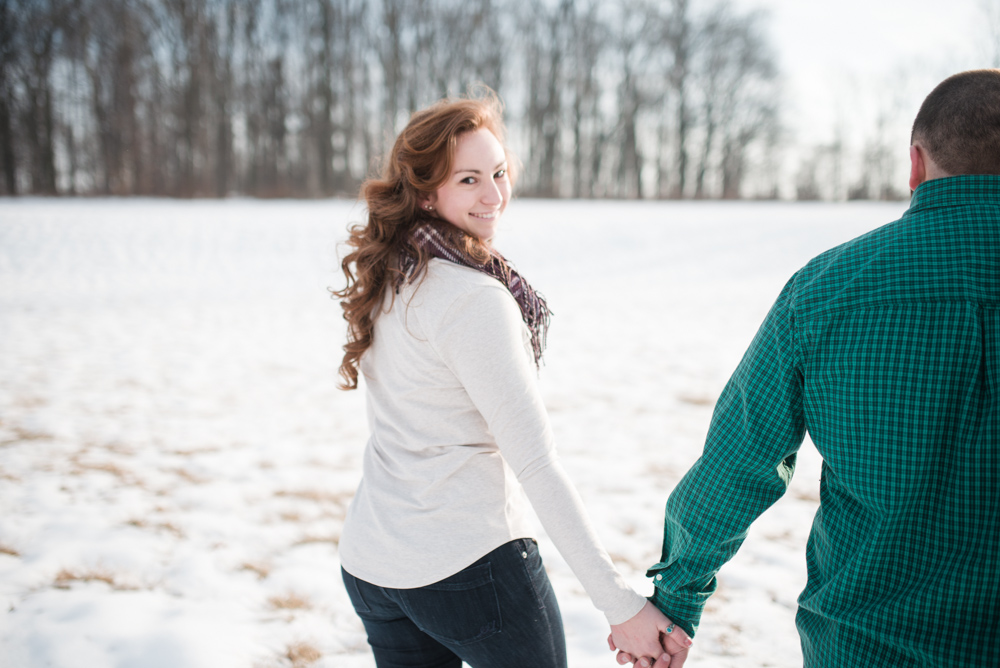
499 175
468 179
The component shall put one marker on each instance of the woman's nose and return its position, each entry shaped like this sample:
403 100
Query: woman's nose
492 194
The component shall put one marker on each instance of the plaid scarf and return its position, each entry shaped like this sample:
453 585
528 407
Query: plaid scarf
534 311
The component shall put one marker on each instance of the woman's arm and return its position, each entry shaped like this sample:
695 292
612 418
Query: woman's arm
482 340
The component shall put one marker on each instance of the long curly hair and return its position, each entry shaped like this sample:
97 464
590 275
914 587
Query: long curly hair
420 162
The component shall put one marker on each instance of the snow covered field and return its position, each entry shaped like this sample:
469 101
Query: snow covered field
176 461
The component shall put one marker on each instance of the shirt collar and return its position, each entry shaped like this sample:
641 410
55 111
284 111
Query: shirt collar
952 190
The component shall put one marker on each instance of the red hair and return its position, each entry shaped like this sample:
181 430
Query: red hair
420 162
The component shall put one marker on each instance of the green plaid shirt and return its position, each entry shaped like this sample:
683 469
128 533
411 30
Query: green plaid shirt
887 351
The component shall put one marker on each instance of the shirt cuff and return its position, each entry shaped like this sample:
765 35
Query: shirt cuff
684 608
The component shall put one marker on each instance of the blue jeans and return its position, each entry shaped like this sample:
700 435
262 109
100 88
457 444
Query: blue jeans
498 612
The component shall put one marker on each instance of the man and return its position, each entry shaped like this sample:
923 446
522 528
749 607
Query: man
886 350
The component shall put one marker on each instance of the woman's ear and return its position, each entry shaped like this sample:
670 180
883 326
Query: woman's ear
427 203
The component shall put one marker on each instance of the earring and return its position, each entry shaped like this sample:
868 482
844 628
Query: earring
428 207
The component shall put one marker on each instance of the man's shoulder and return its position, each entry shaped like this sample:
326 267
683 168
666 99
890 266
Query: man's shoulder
839 261
936 251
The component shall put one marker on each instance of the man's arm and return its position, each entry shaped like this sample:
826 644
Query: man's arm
749 457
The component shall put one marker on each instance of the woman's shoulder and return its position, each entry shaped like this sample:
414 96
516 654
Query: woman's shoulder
458 274
453 281
446 286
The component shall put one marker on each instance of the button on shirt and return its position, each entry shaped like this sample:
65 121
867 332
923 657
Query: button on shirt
886 350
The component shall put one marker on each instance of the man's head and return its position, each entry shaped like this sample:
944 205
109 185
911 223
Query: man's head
957 130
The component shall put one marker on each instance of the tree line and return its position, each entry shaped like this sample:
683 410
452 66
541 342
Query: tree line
275 98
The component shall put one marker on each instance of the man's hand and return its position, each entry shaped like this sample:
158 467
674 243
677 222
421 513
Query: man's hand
650 639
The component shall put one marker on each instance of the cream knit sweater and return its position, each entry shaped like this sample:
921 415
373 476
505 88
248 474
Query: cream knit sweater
457 429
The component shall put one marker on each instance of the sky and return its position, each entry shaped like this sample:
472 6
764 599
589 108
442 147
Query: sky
844 60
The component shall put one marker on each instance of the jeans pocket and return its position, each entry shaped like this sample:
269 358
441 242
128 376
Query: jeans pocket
458 610
530 571
354 593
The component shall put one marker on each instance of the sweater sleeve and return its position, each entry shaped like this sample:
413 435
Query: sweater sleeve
561 511
481 338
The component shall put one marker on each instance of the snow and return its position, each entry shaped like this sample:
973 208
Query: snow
176 460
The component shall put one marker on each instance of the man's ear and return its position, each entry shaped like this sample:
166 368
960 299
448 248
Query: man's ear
918 166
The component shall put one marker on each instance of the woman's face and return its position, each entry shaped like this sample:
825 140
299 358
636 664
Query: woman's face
477 191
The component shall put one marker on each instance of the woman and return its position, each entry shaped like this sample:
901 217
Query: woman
437 557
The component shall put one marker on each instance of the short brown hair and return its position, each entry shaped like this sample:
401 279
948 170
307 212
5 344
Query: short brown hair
959 123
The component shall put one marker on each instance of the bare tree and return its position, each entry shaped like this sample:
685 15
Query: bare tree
715 63
807 180
43 24
10 50
110 45
633 46
735 74
588 36
326 19
681 41
297 97
394 20
545 33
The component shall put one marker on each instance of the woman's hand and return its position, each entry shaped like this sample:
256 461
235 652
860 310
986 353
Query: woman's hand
650 639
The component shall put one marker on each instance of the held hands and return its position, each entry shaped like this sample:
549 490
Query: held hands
650 639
